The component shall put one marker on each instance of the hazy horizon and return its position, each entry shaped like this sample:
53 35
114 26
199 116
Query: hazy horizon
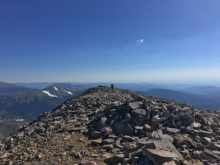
119 82
110 41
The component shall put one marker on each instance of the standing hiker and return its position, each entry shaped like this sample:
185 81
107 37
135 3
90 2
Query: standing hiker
112 86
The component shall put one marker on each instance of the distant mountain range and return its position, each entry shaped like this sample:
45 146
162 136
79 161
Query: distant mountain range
6 88
200 101
36 102
65 85
207 97
202 90
41 85
129 86
37 85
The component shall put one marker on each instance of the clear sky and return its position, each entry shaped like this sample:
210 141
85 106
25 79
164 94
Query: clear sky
110 41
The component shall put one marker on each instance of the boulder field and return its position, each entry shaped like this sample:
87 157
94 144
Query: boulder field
101 127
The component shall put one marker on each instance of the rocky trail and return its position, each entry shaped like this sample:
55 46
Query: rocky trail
101 127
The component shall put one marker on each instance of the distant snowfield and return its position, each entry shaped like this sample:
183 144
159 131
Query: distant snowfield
70 93
55 88
48 93
19 119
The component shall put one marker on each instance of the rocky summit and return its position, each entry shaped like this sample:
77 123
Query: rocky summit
101 127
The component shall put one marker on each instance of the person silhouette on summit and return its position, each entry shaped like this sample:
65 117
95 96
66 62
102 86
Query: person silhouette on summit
112 86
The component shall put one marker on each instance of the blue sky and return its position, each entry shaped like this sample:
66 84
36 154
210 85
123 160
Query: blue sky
110 41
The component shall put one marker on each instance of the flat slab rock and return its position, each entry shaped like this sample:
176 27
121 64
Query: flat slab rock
171 130
159 135
115 159
161 145
211 153
133 105
139 112
160 156
158 119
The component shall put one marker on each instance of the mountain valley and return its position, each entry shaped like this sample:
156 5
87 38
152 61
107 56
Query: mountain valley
36 102
200 101
6 88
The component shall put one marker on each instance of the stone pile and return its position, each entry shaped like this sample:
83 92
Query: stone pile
120 127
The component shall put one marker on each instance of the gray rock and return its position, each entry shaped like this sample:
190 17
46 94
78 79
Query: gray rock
159 135
190 129
171 107
125 161
156 107
108 141
209 158
106 130
214 146
204 121
158 119
190 142
96 134
147 127
115 159
188 122
210 153
200 146
174 162
117 142
5 155
167 114
196 155
142 141
118 127
137 153
185 162
160 156
115 103
186 116
129 147
206 140
126 130
161 145
135 161
197 163
185 152
139 112
178 139
196 125
145 161
205 133
124 120
138 128
171 130
2 146
132 106
129 138
107 146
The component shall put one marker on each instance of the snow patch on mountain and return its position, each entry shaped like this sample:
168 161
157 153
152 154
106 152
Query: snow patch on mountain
70 93
55 88
48 93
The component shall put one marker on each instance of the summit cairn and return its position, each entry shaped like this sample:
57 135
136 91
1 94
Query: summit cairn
101 127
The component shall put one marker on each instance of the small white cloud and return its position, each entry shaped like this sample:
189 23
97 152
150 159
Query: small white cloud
140 40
